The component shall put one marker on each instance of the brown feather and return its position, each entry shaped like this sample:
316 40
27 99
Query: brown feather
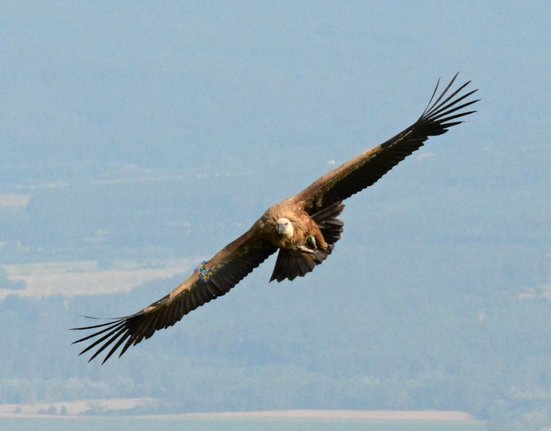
313 214
368 167
293 263
223 271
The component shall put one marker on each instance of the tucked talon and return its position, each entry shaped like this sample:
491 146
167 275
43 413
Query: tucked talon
305 249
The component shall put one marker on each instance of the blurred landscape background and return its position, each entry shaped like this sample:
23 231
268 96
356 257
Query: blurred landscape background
139 138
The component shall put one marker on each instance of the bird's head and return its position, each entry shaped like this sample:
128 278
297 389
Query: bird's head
284 227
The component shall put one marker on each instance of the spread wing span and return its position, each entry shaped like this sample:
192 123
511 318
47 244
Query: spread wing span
324 197
210 280
442 112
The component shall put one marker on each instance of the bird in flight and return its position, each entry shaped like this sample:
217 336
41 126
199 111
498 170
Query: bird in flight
303 229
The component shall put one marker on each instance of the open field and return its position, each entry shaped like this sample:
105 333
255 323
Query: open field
109 406
87 277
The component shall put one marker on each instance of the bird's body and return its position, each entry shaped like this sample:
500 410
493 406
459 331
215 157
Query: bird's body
299 226
303 229
304 242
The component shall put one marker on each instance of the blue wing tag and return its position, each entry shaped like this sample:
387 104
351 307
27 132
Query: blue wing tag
204 273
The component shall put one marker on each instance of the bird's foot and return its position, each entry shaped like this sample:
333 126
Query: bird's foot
305 249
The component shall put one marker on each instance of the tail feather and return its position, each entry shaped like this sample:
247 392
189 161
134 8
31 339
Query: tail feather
291 264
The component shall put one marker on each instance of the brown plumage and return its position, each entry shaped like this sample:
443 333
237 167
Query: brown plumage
304 228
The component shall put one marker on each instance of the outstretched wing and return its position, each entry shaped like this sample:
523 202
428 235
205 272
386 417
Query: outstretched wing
210 280
364 170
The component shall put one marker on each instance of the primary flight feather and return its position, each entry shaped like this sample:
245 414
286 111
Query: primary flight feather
304 228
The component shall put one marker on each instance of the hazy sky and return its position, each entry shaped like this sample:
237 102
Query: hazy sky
140 129
99 91
142 82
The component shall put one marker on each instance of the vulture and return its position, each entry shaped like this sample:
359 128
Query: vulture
303 229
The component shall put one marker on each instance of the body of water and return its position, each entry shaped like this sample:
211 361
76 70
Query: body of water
166 424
